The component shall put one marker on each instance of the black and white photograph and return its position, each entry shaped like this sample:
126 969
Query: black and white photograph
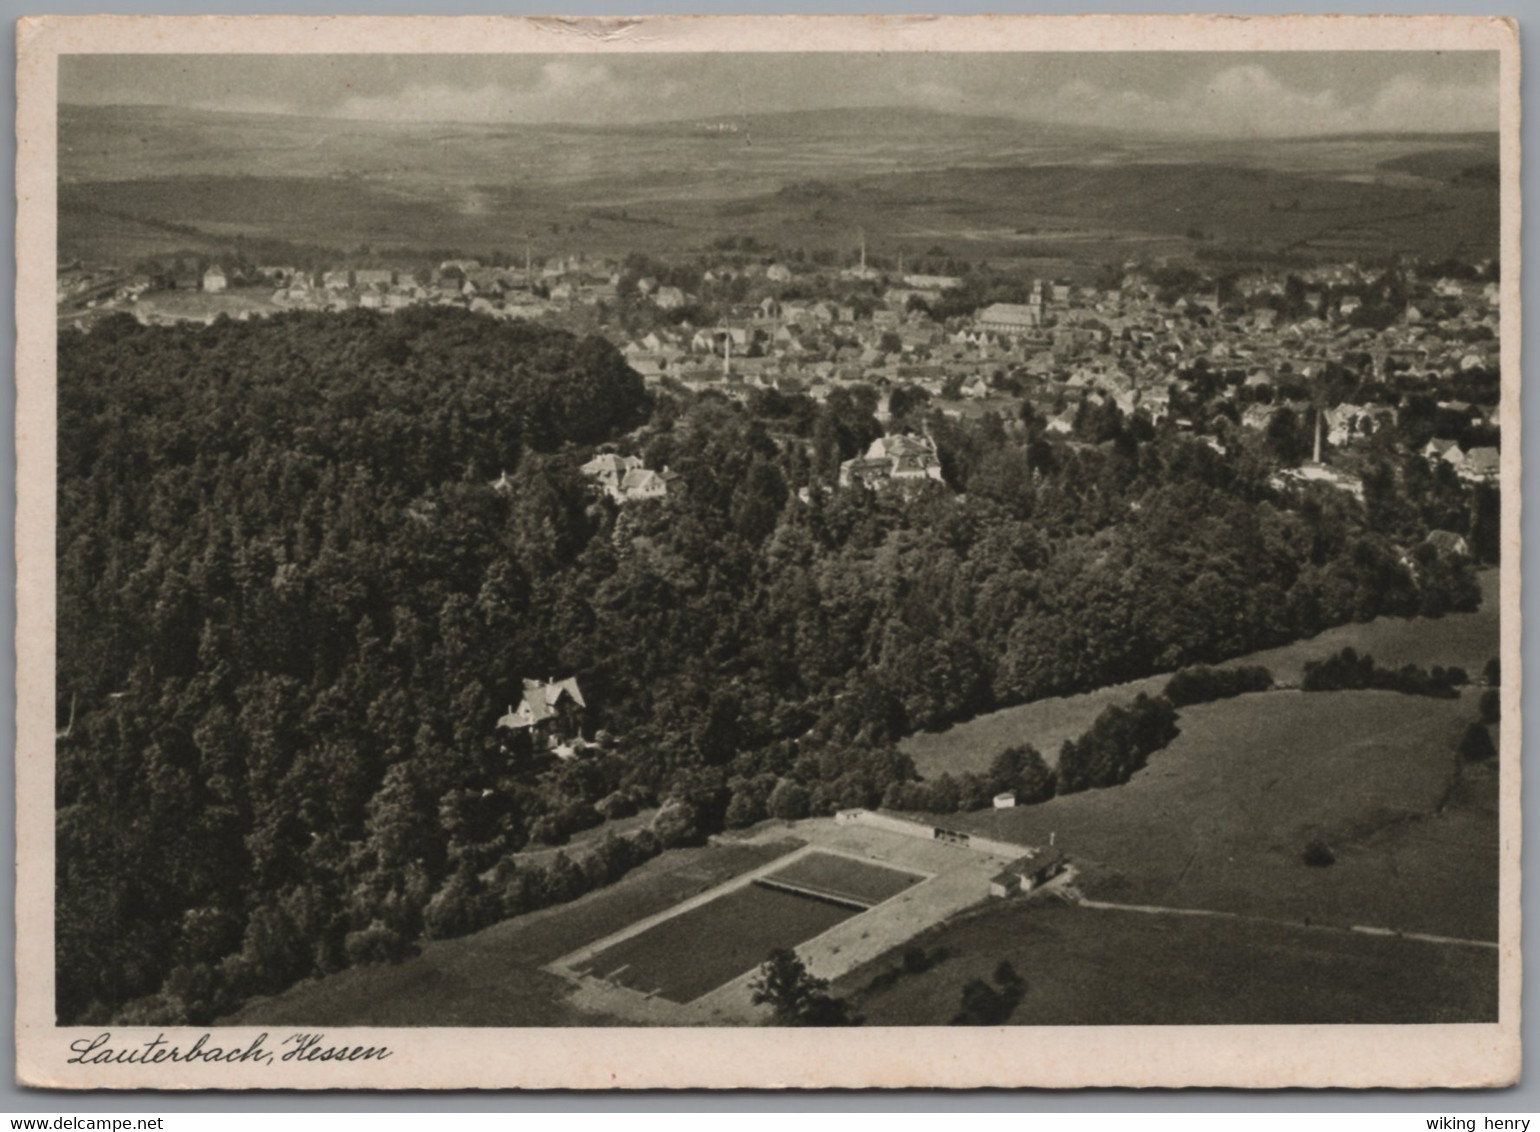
997 542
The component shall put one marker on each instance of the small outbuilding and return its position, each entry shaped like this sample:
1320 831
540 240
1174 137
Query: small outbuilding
1029 872
1004 884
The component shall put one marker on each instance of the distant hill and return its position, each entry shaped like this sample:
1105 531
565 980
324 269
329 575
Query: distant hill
148 177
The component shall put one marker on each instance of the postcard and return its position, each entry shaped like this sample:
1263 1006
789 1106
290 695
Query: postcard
768 552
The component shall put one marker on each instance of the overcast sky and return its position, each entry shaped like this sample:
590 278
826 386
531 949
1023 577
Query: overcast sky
1227 94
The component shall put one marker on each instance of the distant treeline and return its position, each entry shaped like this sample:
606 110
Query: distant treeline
1348 671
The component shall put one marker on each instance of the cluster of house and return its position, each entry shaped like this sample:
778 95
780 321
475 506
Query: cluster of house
498 292
1479 465
1066 345
1072 344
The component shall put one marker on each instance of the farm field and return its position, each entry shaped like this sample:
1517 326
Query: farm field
1219 819
493 978
1086 967
697 951
1465 639
987 186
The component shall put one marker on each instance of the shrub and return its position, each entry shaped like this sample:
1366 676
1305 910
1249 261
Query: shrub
973 792
616 805
798 998
1022 771
462 906
1491 706
1476 744
678 823
377 944
1347 671
1318 855
1118 744
153 1010
944 795
548 831
985 1005
1201 684
789 801
745 809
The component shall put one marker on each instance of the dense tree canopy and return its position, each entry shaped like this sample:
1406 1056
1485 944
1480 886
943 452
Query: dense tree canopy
292 606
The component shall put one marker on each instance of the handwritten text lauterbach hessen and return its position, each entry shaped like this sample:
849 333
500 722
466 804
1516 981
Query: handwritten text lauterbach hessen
299 1047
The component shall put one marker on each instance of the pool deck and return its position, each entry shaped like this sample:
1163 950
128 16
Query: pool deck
956 878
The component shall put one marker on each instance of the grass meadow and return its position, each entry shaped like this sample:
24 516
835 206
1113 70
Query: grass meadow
1220 818
1465 639
1097 968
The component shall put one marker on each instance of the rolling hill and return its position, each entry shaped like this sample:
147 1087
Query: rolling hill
988 187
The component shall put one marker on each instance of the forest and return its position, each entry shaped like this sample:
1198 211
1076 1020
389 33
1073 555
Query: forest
293 604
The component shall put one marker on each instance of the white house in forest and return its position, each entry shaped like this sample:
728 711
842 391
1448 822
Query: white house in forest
893 459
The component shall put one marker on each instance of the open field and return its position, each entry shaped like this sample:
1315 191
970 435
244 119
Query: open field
984 187
1465 639
493 978
1100 968
696 951
1046 724
1219 819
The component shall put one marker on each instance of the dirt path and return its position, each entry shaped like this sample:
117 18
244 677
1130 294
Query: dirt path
1074 896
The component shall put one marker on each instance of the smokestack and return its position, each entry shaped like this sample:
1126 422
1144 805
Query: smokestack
727 355
1319 412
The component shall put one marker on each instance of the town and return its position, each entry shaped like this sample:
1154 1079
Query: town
1318 359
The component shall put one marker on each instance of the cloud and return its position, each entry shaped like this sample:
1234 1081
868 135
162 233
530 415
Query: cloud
1247 99
562 90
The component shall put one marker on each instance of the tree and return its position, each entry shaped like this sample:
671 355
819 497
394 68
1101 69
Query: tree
1318 855
678 822
796 997
1476 744
1021 770
985 1005
1491 706
789 801
746 807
